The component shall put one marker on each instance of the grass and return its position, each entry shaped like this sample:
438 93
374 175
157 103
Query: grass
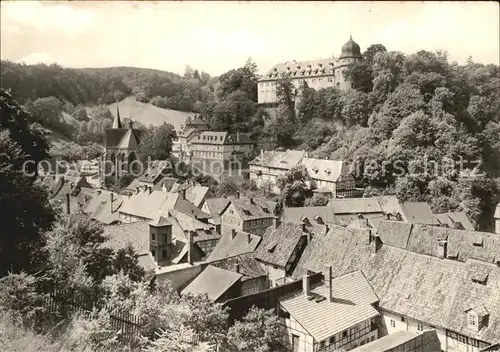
149 114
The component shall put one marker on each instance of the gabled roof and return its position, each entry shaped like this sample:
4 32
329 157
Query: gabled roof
418 213
188 208
154 170
415 285
479 309
228 246
352 303
98 205
149 205
452 218
122 137
325 170
278 244
215 207
319 67
279 160
196 194
394 233
249 209
129 141
212 281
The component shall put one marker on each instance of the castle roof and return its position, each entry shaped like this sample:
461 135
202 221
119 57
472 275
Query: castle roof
351 49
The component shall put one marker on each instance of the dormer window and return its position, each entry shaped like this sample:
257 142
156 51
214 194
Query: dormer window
477 317
298 67
477 242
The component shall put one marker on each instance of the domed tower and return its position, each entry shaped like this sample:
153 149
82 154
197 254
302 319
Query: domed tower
351 53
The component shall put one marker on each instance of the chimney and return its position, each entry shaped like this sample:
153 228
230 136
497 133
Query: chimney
249 237
305 286
68 210
327 228
111 202
328 276
183 193
362 221
376 242
130 124
233 233
252 201
303 226
442 249
388 216
238 194
275 223
238 268
262 154
137 189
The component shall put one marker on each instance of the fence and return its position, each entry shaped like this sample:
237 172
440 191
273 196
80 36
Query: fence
64 303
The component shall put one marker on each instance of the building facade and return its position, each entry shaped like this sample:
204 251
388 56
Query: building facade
497 219
247 215
317 74
181 145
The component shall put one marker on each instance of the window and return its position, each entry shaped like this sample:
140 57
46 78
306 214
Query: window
332 340
420 327
393 324
164 253
402 318
164 237
153 237
295 343
322 344
472 320
344 334
462 339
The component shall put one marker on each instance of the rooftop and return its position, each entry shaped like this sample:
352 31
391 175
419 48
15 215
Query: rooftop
352 300
325 170
215 207
388 342
229 246
244 264
279 160
251 208
212 281
454 219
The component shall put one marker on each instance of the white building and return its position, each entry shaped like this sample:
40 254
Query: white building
317 74
497 219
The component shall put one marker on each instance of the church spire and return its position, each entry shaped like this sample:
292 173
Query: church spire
117 122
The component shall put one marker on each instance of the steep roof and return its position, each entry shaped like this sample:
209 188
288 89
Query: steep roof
308 68
98 205
122 138
279 160
352 303
188 208
249 209
418 213
278 244
196 194
453 218
325 170
229 246
215 207
419 286
212 281
394 233
210 137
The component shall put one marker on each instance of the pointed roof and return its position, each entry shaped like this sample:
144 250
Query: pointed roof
117 122
129 141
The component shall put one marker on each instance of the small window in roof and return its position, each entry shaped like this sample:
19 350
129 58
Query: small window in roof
247 212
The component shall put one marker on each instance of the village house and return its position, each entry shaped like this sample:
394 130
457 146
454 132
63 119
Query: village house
332 178
455 220
337 314
251 215
426 277
100 205
281 248
214 206
269 165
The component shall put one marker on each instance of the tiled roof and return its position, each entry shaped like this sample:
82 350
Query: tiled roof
394 233
154 170
278 244
462 244
121 137
455 217
196 194
149 205
249 209
239 138
186 207
299 69
279 160
355 206
147 262
388 342
134 234
296 215
415 285
244 264
212 281
325 170
209 137
418 213
228 246
352 303
187 223
215 206
98 206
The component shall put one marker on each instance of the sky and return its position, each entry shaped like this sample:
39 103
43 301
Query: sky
215 37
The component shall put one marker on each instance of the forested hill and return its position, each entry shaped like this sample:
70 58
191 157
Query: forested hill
90 86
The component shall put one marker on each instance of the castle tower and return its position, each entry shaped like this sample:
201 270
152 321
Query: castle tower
299 97
351 53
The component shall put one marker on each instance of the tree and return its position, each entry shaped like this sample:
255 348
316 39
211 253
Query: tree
157 143
47 111
24 206
361 72
294 186
258 331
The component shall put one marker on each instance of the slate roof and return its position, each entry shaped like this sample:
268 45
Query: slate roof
244 264
419 286
295 215
149 205
196 194
188 208
325 170
308 68
250 209
122 137
228 246
212 281
394 233
418 213
203 231
215 206
278 244
352 303
279 160
98 205
455 217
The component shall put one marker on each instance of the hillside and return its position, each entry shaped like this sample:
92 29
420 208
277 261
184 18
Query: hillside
148 114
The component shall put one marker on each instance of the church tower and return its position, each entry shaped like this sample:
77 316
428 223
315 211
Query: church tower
351 53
